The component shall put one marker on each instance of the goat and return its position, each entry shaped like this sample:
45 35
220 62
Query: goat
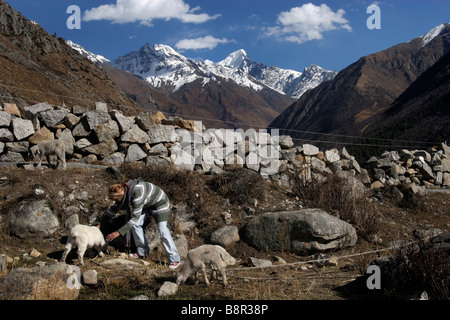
84 237
48 148
197 259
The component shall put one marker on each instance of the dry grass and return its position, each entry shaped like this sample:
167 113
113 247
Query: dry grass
206 196
334 195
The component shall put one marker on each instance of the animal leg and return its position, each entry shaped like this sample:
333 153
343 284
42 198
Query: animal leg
81 251
99 250
61 159
203 267
40 160
48 161
224 277
196 277
66 251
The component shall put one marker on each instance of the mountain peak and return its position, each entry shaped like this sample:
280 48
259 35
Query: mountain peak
235 59
433 33
165 49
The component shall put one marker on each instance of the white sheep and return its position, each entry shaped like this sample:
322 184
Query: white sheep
48 148
199 258
84 237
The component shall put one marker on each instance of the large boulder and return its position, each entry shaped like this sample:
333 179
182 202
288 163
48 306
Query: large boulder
54 282
33 219
310 229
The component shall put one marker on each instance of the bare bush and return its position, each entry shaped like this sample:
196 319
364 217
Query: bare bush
239 185
417 267
335 196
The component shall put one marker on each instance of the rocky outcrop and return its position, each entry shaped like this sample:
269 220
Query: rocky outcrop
306 229
58 281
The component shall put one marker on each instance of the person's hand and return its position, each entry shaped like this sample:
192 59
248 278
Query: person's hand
112 236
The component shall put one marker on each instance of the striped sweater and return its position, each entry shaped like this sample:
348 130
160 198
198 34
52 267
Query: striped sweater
145 196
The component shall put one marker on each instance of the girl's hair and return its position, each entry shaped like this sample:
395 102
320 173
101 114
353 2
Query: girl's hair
115 191
116 188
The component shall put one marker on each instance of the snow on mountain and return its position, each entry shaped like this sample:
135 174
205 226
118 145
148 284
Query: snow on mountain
311 77
95 58
162 66
433 33
235 59
290 82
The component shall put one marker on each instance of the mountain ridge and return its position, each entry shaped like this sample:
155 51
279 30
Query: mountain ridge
161 65
348 104
36 67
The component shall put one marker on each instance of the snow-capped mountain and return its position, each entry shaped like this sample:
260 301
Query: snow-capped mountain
290 82
162 66
433 33
95 58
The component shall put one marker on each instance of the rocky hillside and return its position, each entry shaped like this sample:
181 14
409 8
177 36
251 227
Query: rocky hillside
350 102
36 66
284 212
234 209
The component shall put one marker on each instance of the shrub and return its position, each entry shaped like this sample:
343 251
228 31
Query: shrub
417 267
241 186
335 196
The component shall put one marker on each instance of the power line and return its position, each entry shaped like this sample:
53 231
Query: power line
251 124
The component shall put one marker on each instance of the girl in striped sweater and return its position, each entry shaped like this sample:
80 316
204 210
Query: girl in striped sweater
140 198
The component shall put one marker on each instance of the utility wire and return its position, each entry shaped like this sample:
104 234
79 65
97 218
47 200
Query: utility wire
252 125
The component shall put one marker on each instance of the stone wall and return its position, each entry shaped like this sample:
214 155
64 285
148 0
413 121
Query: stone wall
107 137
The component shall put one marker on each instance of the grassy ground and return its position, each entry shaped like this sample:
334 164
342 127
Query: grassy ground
206 197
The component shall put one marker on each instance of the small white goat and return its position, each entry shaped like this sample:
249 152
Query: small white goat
197 259
84 237
48 148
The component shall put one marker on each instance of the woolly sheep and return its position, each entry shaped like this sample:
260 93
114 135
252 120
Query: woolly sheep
48 148
197 259
84 237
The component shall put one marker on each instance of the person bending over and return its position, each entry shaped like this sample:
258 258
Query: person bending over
141 198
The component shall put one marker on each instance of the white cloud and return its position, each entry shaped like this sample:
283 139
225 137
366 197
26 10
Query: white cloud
145 11
207 42
308 22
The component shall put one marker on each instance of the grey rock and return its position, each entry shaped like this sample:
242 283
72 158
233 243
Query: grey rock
225 236
286 142
134 153
106 131
5 119
22 128
6 135
168 289
58 281
162 133
311 229
135 135
34 110
33 219
125 123
95 118
52 117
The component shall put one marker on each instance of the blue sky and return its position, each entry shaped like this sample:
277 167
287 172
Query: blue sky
290 34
